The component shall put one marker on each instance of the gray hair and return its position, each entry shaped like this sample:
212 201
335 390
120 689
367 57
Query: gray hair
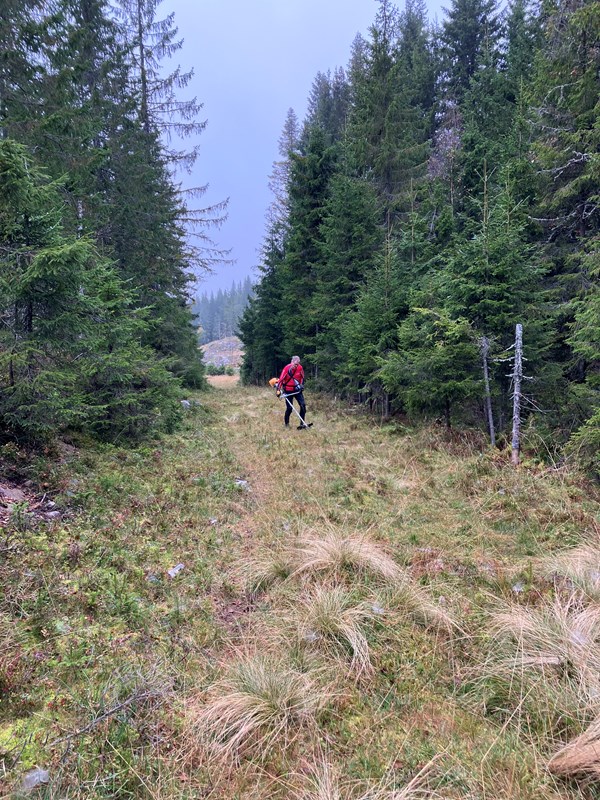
296 359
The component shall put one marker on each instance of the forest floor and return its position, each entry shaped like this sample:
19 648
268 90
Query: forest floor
246 611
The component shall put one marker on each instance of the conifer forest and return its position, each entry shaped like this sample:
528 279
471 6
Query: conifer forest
218 313
442 189
398 598
98 244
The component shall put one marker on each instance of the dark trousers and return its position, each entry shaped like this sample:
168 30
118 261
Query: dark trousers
288 406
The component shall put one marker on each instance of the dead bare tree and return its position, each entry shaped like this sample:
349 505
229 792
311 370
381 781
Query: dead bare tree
484 344
517 376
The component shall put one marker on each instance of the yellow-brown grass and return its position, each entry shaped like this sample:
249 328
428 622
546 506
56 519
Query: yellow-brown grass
330 619
560 639
266 569
324 784
415 601
336 552
581 566
262 702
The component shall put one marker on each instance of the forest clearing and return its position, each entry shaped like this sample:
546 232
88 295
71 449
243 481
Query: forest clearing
355 611
196 602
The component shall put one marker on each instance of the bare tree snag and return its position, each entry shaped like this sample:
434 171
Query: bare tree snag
517 377
484 344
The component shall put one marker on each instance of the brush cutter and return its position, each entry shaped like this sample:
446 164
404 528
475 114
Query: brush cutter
275 384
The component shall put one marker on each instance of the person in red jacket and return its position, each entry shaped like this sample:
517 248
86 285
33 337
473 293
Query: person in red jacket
291 385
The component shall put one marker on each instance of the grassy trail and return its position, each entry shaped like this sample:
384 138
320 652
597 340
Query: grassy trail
370 661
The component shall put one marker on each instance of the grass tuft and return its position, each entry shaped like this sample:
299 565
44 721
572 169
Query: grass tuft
422 607
332 620
325 784
581 566
267 569
260 704
338 552
560 639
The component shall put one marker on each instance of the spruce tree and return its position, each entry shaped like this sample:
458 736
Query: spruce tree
565 148
328 104
20 66
468 26
351 238
312 170
388 125
261 325
369 330
69 340
435 366
493 278
523 37
279 179
585 340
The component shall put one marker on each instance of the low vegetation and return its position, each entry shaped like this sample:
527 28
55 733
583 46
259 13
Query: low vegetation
243 611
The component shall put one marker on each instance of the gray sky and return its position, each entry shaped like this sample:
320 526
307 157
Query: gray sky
252 60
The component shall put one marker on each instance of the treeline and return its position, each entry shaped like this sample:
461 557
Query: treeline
96 331
218 314
439 191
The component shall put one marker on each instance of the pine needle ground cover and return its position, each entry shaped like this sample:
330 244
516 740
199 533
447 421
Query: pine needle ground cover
355 611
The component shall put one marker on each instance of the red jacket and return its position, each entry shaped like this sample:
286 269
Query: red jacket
290 377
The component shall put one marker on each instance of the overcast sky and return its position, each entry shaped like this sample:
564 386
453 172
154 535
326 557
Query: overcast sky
252 60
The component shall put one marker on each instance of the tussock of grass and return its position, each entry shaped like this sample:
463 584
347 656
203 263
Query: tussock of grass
268 568
422 607
581 566
324 784
332 620
559 638
335 552
260 704
580 756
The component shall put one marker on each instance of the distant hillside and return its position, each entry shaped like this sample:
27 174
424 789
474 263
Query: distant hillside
217 315
225 352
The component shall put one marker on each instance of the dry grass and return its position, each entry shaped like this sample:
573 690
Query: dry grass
324 784
223 381
560 639
418 603
581 566
262 703
331 620
337 552
580 756
344 556
268 568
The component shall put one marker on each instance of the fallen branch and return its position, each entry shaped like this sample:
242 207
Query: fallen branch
141 696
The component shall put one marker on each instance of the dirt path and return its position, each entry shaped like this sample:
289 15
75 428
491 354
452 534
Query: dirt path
434 500
334 472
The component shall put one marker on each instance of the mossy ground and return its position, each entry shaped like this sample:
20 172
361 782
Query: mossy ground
102 652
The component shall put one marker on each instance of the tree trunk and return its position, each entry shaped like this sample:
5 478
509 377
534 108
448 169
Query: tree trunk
517 379
144 100
485 349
